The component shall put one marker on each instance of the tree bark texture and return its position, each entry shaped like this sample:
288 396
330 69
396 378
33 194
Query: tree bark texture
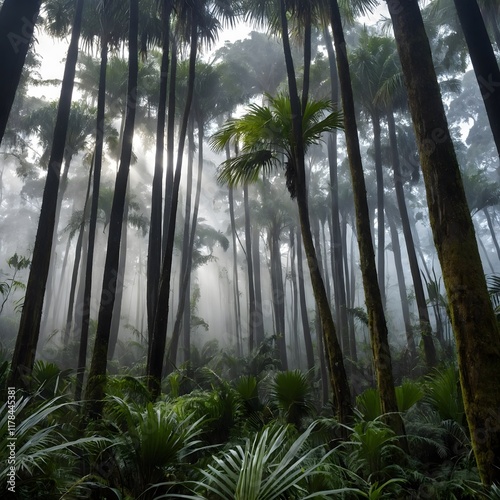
473 320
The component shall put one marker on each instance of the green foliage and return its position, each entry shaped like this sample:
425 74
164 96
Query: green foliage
149 443
368 403
408 394
11 284
443 393
265 135
44 456
267 468
372 451
292 391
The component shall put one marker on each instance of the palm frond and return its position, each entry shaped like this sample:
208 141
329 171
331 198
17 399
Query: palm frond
246 167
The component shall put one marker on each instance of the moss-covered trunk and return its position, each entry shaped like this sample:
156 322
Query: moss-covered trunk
473 320
376 317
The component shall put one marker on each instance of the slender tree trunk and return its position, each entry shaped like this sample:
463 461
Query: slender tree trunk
378 327
120 282
76 265
423 312
492 231
350 288
306 329
336 254
99 146
169 176
323 371
470 307
252 316
278 292
236 290
396 249
49 293
97 374
380 207
483 248
184 303
29 329
17 23
156 351
338 377
325 262
184 284
295 298
259 317
154 244
483 60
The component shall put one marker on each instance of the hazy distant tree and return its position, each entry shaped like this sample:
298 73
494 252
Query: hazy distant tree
29 329
470 307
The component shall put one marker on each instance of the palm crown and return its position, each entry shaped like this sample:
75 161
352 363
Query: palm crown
264 135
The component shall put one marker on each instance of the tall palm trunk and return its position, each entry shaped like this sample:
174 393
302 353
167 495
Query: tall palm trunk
97 374
259 318
470 307
156 351
483 60
295 299
17 23
169 174
380 206
423 312
338 377
306 329
184 281
396 249
378 327
184 311
120 281
236 294
76 264
63 184
29 329
492 230
99 146
252 316
155 226
278 292
339 280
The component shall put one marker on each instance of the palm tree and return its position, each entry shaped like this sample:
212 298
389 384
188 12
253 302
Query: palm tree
17 23
201 21
96 381
376 316
470 306
371 65
154 247
266 134
29 329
